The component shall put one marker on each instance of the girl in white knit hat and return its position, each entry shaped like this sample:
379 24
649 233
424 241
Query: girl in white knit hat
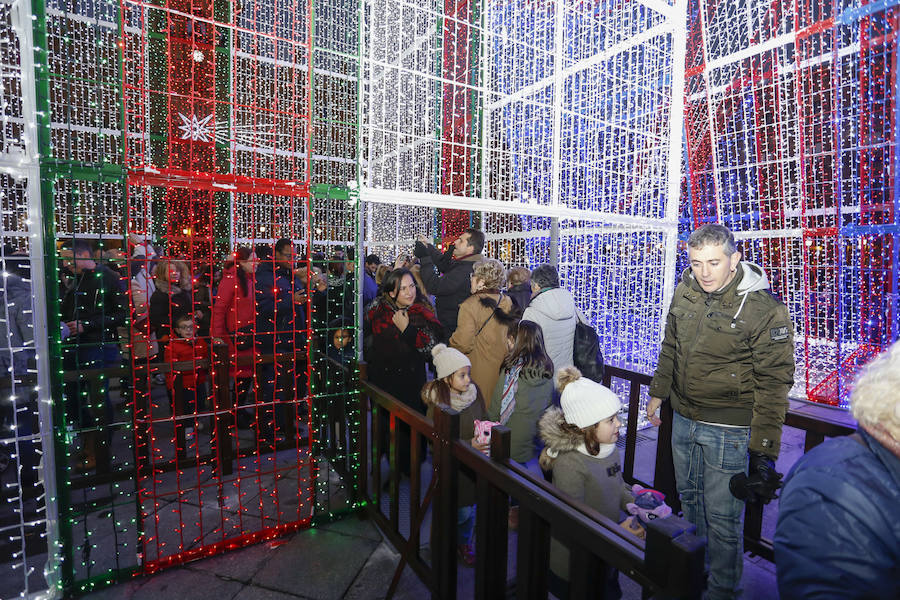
454 388
581 452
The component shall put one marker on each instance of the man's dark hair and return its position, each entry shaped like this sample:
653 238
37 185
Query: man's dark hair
280 244
263 252
476 239
82 247
545 276
373 259
713 234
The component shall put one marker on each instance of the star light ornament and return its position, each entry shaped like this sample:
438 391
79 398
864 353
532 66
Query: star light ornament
256 137
196 130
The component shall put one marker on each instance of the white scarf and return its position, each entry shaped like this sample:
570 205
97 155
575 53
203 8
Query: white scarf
460 402
605 450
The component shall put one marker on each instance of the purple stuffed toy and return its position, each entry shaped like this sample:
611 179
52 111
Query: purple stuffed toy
648 505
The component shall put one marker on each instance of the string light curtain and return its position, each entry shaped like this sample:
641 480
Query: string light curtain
29 533
218 149
791 123
556 124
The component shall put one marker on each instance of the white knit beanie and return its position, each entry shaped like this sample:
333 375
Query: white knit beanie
584 402
448 361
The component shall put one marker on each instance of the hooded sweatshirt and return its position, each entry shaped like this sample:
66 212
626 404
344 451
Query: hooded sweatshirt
728 356
554 310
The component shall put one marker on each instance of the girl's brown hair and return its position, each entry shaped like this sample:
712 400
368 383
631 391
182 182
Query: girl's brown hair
380 272
591 442
529 349
437 392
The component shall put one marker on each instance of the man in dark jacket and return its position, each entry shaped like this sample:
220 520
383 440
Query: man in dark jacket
726 364
370 288
92 307
281 327
446 276
838 535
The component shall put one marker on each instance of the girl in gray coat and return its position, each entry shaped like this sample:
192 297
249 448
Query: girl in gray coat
581 451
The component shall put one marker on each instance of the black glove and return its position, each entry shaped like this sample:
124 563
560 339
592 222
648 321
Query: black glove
420 249
761 484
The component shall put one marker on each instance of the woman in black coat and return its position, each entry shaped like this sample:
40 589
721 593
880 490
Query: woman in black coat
400 331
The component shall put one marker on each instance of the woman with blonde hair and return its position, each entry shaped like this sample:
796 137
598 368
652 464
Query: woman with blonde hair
172 297
380 273
838 535
483 322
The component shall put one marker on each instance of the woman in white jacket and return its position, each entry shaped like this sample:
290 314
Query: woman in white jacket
553 308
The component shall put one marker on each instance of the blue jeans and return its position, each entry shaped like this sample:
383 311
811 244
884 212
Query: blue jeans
706 456
465 524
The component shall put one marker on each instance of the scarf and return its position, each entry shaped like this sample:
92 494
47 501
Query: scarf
510 385
460 402
605 450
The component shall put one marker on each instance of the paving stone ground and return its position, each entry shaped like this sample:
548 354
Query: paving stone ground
349 558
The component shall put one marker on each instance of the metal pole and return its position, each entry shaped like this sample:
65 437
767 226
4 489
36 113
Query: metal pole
23 22
676 132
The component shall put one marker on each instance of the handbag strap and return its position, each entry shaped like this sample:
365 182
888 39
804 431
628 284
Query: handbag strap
491 316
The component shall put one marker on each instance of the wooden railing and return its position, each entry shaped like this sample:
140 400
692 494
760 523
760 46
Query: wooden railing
816 429
670 562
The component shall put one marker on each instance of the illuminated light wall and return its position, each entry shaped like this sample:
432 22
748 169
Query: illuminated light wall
563 140
218 127
791 127
187 125
29 535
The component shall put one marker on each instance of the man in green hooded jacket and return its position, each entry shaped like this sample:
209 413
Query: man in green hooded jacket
726 365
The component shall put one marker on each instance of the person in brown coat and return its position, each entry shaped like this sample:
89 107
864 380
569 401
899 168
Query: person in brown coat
483 322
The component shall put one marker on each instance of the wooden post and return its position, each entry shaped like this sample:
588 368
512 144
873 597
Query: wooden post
587 574
492 526
634 402
444 518
533 555
675 567
664 472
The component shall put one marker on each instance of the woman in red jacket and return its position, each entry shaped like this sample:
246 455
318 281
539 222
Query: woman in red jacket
234 319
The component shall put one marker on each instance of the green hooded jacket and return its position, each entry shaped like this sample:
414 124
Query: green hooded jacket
728 356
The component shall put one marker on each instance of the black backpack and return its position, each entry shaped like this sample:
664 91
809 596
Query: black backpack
586 353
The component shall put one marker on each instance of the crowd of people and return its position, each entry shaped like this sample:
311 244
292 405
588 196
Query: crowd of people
457 329
255 304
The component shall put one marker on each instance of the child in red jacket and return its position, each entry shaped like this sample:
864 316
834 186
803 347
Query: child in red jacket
183 347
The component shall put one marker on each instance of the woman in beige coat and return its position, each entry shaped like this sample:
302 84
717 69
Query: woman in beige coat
482 325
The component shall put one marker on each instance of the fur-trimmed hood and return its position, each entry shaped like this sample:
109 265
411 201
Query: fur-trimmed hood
550 428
